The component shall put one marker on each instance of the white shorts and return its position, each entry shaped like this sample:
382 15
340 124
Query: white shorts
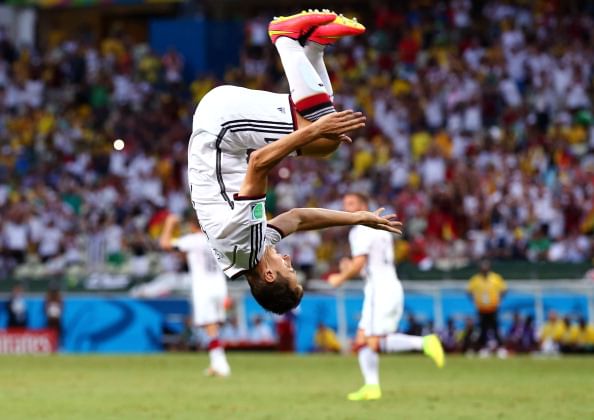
383 305
208 307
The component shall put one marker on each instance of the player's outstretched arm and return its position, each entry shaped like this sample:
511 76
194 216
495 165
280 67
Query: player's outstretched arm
266 158
313 219
166 238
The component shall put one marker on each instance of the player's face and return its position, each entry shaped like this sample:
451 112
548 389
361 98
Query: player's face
352 203
282 264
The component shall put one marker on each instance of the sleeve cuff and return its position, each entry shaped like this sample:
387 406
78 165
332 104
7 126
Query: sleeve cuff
238 197
281 233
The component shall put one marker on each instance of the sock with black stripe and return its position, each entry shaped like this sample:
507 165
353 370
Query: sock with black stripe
308 91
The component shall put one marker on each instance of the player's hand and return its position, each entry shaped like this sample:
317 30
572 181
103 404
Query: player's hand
375 220
335 280
335 125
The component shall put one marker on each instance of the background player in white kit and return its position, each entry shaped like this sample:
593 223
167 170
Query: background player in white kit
209 288
239 135
372 254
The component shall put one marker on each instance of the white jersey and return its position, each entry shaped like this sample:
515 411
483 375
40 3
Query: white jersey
229 123
378 245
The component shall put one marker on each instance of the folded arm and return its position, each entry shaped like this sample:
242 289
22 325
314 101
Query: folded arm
264 159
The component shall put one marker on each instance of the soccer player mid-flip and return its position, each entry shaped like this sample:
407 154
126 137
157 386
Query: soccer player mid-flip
239 135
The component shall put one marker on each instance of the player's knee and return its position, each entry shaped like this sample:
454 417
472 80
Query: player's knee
373 343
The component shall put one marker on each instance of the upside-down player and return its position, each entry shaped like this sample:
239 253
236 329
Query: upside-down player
372 254
209 288
239 135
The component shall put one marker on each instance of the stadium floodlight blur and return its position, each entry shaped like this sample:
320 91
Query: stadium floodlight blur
480 136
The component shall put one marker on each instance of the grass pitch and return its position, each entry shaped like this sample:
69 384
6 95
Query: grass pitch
272 386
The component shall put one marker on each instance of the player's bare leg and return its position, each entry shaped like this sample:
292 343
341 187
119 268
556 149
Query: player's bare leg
368 351
368 355
430 345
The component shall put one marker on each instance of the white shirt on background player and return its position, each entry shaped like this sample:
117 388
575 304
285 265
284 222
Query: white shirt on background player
202 263
378 245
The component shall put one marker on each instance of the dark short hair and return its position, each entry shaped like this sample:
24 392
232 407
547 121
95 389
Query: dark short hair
363 197
276 296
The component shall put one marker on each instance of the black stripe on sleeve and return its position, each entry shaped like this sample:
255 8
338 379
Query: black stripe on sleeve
258 130
259 245
249 121
273 127
218 168
251 246
279 230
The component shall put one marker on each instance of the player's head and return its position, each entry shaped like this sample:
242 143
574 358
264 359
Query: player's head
485 266
354 201
274 282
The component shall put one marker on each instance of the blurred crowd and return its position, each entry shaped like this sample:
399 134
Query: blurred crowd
556 335
480 136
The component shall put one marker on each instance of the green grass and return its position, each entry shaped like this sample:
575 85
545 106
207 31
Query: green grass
266 386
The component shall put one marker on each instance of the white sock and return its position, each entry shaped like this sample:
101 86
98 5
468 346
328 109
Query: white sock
315 55
218 361
369 364
401 342
308 92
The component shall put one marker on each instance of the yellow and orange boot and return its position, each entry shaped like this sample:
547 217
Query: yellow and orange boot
338 28
299 26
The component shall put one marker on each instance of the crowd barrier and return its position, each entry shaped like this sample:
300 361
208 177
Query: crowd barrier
123 324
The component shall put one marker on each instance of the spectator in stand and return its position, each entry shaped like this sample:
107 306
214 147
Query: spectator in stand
54 308
486 290
414 326
514 335
569 339
528 341
50 243
449 337
469 336
551 334
261 331
17 308
480 133
585 339
326 340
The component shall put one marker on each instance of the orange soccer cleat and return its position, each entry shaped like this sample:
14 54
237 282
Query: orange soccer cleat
341 26
300 25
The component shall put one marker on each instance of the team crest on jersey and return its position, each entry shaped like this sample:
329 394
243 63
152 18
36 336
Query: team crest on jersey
257 211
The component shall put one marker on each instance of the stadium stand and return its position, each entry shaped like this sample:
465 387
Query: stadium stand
481 137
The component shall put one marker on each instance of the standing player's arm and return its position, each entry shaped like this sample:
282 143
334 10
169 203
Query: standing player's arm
166 238
267 157
300 219
348 271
